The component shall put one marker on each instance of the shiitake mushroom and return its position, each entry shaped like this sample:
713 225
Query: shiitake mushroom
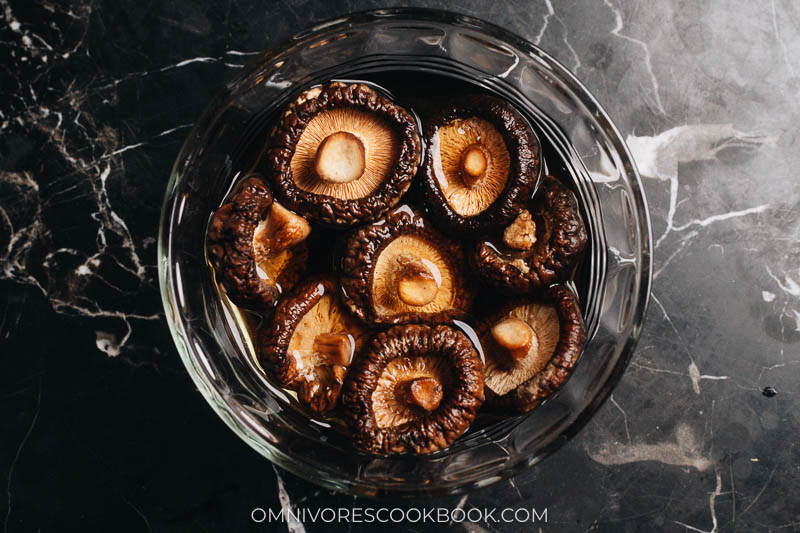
531 346
481 165
257 246
540 247
343 154
309 343
400 270
414 388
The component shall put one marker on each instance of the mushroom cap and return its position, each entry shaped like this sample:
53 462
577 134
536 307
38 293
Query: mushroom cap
378 256
560 240
310 342
517 384
251 276
381 421
343 154
481 166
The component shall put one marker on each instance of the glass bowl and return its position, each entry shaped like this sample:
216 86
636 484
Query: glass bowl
590 151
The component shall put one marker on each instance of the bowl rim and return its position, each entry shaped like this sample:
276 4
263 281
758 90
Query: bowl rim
452 18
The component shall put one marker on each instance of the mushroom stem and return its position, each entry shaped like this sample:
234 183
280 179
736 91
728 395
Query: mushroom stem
424 392
282 229
515 336
340 158
334 348
521 234
473 164
416 284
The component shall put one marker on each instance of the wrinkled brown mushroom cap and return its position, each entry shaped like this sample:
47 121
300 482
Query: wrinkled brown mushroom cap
389 398
256 246
310 342
560 239
521 371
399 270
343 154
481 166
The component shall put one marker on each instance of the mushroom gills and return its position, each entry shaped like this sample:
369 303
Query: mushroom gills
411 275
408 388
234 247
414 388
520 345
400 270
325 336
472 164
345 153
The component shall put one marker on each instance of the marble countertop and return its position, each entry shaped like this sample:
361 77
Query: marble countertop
103 429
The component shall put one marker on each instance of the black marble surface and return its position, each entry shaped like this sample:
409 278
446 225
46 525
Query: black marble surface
102 429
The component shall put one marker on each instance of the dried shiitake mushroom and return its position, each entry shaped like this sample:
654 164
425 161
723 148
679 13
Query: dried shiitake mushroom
399 270
310 343
531 347
257 246
541 245
343 154
481 166
413 388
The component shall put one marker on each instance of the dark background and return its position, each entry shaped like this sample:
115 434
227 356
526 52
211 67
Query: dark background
102 429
